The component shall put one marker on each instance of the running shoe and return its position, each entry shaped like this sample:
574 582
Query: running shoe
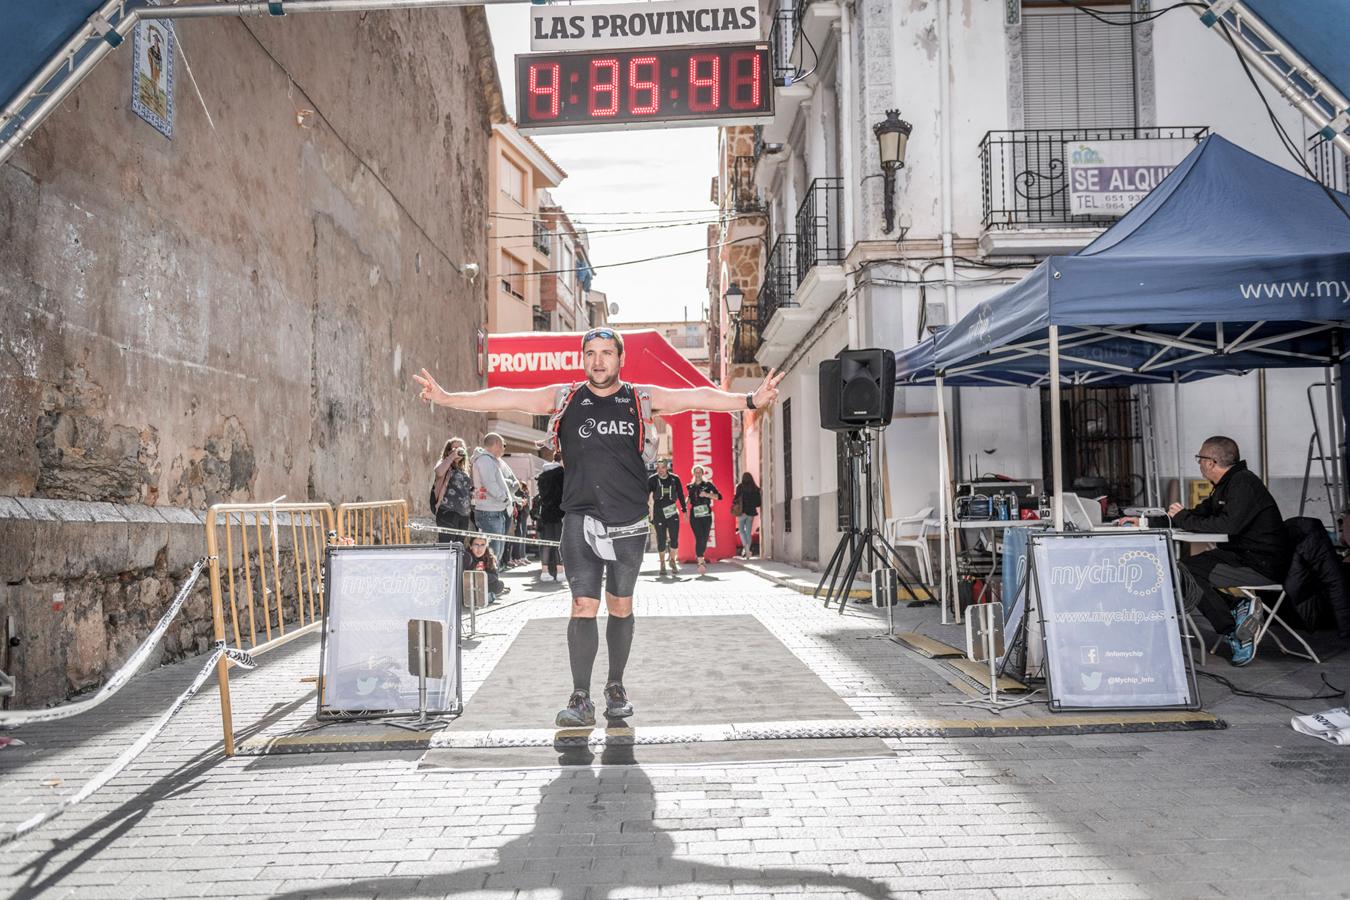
617 705
674 566
579 713
1243 651
1246 623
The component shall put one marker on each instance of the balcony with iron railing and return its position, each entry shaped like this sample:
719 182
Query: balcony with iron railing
780 280
541 237
744 193
745 336
1025 174
819 233
782 36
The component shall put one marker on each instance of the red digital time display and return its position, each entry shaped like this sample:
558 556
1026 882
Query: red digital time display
633 87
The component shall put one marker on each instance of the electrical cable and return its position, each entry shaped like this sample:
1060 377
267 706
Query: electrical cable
1280 132
630 262
1132 18
358 157
635 212
711 218
1275 122
590 232
1335 692
815 57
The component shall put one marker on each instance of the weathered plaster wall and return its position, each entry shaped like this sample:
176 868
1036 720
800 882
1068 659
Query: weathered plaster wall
235 314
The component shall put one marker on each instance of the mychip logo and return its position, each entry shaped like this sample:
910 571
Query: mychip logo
1138 571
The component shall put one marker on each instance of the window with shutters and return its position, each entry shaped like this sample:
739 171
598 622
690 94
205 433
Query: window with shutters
513 276
1077 71
512 180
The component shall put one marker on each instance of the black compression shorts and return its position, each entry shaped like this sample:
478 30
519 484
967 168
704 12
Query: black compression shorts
586 570
667 532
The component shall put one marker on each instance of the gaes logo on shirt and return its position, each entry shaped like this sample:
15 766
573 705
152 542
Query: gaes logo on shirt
590 427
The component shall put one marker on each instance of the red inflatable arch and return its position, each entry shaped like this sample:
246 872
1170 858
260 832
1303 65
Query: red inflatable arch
536 359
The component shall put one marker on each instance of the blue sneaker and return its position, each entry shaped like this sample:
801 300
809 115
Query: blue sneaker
1243 652
1246 624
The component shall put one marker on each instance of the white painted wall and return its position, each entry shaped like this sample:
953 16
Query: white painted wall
1196 81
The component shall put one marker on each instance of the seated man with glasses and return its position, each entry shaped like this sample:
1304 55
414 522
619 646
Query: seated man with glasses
1257 550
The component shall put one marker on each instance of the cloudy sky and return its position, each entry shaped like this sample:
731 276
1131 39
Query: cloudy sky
618 181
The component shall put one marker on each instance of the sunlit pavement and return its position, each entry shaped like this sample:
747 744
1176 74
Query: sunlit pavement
1254 810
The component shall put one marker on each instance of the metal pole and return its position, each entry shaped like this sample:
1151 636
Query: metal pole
1244 19
1262 416
943 512
1176 415
421 671
262 8
124 26
1056 434
1334 488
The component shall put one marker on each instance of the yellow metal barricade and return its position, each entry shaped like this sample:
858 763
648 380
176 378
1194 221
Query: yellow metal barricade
274 548
374 522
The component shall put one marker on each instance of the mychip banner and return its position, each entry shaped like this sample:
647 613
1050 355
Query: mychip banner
1111 622
371 594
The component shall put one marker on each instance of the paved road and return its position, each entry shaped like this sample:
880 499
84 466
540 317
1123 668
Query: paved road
1255 810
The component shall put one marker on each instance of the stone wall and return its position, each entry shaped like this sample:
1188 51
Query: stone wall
233 314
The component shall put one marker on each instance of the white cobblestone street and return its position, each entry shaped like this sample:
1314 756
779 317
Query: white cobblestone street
1253 810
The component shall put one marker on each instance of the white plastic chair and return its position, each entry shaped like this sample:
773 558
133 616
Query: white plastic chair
898 534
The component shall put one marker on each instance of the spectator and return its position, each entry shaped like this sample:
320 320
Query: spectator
550 518
701 496
494 489
746 505
451 491
520 518
480 558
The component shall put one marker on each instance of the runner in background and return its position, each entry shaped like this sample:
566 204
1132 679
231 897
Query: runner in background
667 502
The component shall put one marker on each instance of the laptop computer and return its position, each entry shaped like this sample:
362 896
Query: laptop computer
1083 515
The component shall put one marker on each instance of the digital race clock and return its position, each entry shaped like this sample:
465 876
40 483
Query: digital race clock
586 91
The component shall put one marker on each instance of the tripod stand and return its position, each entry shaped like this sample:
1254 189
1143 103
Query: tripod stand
856 543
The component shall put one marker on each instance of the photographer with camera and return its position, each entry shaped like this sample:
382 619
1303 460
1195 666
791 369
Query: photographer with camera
452 490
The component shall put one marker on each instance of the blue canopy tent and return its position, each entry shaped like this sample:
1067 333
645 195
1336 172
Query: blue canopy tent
1232 263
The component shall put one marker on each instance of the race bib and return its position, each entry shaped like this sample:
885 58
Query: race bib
668 511
702 512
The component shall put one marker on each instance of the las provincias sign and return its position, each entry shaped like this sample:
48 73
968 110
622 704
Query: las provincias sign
663 23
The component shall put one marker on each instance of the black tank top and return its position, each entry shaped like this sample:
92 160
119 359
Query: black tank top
604 474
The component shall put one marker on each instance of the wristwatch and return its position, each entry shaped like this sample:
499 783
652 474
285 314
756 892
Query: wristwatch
750 401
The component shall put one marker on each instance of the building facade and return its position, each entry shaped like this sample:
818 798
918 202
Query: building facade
233 314
523 246
994 90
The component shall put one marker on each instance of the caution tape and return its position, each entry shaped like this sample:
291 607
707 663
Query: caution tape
510 539
15 718
113 769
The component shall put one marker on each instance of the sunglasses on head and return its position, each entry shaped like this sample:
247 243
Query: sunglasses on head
599 333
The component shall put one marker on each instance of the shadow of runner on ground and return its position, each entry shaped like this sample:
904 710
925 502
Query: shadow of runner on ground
595 833
115 823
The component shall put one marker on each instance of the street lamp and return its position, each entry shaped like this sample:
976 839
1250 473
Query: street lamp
734 296
892 139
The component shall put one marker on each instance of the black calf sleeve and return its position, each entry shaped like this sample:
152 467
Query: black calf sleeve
583 642
619 640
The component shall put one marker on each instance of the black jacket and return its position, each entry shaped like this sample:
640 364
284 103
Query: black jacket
750 498
1243 509
550 494
1315 582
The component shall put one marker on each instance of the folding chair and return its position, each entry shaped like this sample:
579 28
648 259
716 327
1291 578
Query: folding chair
1269 615
895 530
1193 634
